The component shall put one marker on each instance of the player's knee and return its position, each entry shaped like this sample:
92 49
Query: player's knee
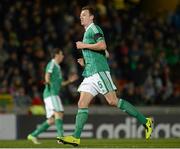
82 104
111 102
111 98
50 121
58 115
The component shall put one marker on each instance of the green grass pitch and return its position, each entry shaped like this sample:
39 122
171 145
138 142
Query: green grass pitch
96 143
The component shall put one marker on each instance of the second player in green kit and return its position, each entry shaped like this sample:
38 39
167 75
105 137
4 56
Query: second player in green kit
53 103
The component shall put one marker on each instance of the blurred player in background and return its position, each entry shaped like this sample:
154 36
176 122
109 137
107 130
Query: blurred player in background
97 79
53 104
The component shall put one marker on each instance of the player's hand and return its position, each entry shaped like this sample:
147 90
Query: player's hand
46 83
73 78
79 45
107 54
81 61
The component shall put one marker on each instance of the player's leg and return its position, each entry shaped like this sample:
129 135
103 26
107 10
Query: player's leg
58 112
42 128
82 114
81 118
46 124
131 110
59 123
87 92
125 106
122 104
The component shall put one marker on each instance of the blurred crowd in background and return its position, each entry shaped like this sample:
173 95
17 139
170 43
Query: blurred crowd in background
144 50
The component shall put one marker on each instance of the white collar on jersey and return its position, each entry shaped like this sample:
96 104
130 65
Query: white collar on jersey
89 26
53 60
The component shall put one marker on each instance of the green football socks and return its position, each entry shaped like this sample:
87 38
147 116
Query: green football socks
59 127
131 110
81 119
43 127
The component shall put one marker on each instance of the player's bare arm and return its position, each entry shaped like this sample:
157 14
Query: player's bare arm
47 78
81 61
71 79
99 46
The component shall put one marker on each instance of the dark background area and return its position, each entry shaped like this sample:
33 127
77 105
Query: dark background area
142 36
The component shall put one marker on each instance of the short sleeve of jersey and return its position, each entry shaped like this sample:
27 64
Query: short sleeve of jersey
99 37
49 68
97 34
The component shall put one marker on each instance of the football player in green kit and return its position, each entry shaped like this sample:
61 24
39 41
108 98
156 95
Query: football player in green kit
97 79
53 104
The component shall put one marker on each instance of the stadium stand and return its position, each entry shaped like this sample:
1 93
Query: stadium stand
144 59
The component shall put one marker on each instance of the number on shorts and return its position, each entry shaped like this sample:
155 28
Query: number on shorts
100 84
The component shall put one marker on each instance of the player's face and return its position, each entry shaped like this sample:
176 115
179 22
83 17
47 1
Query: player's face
60 56
86 18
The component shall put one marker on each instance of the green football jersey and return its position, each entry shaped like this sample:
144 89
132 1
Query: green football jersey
95 61
55 79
